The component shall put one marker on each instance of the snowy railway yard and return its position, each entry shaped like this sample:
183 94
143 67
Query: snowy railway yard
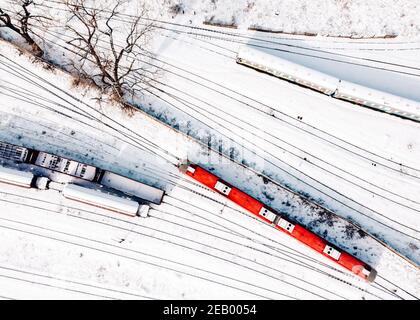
348 173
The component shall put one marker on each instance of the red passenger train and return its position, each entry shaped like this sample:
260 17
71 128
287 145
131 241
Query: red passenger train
270 216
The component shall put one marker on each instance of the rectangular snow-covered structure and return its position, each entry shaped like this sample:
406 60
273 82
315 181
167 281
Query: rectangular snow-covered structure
66 166
18 178
100 199
132 187
285 69
378 99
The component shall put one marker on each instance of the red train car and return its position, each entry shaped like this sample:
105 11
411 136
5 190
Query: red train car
268 215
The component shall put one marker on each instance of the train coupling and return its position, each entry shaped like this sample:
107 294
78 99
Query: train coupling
183 165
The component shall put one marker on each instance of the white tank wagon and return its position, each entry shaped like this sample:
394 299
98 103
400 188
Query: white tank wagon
101 199
132 187
334 87
282 68
378 100
15 177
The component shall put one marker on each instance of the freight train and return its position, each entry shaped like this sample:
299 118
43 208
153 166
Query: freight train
102 188
126 205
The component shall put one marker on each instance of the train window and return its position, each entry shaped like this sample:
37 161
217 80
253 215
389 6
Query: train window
66 167
221 187
83 171
334 253
53 164
269 215
190 169
286 225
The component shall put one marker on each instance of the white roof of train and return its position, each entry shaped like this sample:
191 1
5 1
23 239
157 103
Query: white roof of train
132 187
100 199
287 70
19 178
328 84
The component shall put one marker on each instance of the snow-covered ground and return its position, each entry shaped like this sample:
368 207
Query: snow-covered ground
358 163
355 18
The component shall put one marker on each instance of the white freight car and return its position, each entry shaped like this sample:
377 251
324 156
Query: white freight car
287 70
15 177
101 199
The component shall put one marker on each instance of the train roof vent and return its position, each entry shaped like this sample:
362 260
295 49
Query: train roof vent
221 187
334 253
269 215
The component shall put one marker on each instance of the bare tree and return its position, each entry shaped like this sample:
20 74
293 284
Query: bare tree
20 19
110 43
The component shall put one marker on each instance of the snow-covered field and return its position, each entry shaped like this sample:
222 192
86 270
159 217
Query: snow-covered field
362 165
355 18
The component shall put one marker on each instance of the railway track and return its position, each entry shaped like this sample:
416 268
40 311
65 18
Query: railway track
130 226
97 245
390 164
236 36
77 283
393 165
